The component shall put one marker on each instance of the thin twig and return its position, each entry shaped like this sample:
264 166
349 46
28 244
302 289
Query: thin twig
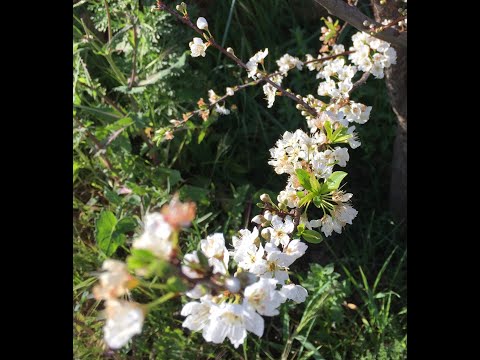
356 18
329 57
359 82
186 20
390 24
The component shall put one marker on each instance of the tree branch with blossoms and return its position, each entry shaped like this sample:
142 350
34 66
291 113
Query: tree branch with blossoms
231 289
211 41
357 19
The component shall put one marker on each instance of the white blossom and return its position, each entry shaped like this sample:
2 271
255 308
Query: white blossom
246 238
113 281
190 260
344 213
156 236
202 23
287 62
252 64
197 314
232 321
330 224
264 297
280 229
371 54
124 320
341 155
294 292
294 250
270 91
197 47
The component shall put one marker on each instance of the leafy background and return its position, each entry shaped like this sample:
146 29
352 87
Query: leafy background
356 307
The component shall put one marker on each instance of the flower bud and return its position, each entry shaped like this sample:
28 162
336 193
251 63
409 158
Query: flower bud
230 50
265 198
268 215
259 219
202 23
266 234
232 285
246 278
181 8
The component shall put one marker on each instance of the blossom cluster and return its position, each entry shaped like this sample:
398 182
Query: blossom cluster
260 283
232 286
231 291
124 319
371 54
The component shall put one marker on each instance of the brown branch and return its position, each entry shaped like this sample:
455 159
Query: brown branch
359 82
186 20
356 18
296 218
389 25
329 57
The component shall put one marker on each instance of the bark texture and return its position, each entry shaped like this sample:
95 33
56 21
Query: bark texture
396 80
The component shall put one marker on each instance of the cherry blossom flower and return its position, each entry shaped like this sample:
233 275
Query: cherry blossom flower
232 321
197 47
264 297
124 320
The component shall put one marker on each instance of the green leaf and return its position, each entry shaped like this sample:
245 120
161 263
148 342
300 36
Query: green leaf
101 112
314 184
127 224
105 227
195 193
312 236
328 129
306 199
128 90
333 182
201 136
203 259
140 258
317 201
152 79
304 178
110 233
168 175
300 229
175 284
343 138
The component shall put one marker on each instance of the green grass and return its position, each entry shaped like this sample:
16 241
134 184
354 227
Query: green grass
224 174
